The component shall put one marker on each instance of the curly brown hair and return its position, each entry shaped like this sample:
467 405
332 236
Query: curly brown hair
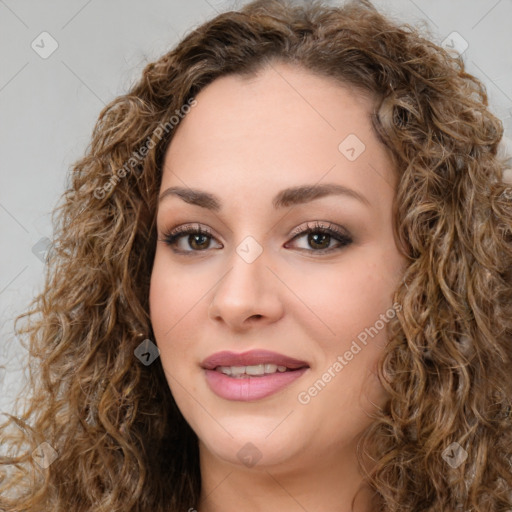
120 440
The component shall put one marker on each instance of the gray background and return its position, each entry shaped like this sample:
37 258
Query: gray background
48 106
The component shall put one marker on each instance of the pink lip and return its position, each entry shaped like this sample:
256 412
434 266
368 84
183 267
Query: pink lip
249 358
246 389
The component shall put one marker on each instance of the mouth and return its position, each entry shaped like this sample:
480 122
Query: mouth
251 375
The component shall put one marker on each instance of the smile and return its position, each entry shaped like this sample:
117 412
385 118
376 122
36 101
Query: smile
251 375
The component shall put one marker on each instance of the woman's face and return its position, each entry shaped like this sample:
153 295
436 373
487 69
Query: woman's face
255 164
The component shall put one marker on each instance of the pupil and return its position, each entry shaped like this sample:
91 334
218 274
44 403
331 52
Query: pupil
195 238
324 236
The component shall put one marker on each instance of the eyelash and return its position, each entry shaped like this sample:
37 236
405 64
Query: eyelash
171 238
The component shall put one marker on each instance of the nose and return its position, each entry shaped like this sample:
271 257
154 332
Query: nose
248 294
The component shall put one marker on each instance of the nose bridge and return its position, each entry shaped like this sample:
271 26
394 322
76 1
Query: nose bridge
247 289
247 271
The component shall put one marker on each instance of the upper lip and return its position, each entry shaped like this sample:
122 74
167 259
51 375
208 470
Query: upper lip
252 357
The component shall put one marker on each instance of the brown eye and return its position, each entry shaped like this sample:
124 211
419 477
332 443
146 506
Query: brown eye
319 240
199 242
196 239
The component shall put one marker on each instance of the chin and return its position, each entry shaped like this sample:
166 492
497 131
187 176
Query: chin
251 452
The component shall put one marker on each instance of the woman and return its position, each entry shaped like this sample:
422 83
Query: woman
281 281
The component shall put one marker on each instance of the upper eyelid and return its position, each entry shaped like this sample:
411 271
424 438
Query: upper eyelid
321 225
337 232
184 230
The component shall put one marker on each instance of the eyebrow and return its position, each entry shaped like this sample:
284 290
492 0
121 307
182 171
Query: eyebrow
287 197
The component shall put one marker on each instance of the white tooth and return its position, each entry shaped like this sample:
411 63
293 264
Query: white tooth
270 368
257 369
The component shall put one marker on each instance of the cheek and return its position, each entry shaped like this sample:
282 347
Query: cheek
173 291
357 310
171 298
171 303
343 300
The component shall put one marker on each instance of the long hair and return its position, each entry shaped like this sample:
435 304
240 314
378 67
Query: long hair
97 430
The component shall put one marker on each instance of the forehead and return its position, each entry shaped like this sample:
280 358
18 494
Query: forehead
281 127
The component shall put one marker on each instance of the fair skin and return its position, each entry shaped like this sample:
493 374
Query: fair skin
246 140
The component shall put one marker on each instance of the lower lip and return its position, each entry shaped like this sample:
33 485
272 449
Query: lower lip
246 389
